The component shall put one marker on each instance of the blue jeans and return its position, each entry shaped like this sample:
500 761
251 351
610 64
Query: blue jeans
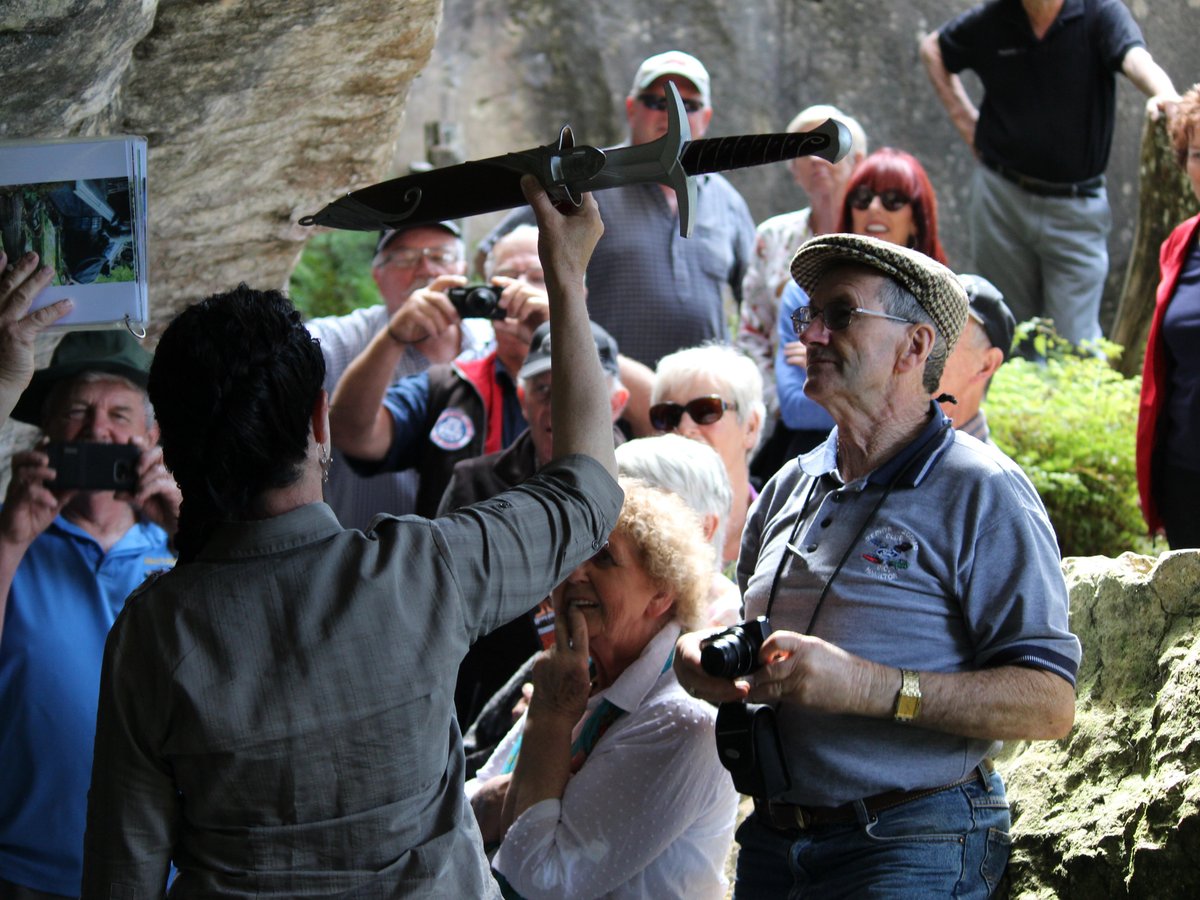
952 844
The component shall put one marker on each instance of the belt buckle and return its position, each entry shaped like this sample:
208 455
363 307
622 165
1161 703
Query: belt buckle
802 817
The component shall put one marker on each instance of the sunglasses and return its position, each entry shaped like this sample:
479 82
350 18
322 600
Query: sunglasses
893 201
837 316
703 410
658 103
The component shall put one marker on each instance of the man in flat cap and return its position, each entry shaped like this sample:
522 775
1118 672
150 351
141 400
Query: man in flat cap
912 579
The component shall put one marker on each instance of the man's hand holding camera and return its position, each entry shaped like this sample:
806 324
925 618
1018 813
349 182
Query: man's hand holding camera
157 496
427 313
793 668
30 506
817 675
525 307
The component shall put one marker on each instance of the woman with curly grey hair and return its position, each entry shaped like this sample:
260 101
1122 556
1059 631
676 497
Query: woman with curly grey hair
610 784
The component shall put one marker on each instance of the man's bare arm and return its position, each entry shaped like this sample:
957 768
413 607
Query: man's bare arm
1004 703
1149 78
950 90
360 425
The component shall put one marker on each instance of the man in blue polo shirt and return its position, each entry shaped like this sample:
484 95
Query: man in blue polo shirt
68 559
913 581
1039 212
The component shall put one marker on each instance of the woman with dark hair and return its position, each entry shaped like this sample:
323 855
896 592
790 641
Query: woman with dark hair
888 197
1168 428
276 713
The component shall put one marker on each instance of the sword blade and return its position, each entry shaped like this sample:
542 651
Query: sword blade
489 185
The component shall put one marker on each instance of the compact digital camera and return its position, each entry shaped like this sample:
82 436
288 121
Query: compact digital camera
477 301
734 652
93 467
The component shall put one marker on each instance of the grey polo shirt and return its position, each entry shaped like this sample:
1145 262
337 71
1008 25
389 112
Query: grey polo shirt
941 560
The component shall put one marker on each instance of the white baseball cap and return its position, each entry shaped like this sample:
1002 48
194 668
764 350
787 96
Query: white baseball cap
673 62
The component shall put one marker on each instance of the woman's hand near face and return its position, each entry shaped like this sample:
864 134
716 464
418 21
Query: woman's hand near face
561 680
561 685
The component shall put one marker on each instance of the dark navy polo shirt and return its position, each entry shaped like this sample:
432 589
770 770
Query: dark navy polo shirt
1049 106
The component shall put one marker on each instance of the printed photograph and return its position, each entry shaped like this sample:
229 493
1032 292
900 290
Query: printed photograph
82 228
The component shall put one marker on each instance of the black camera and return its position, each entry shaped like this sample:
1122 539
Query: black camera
477 301
93 467
734 652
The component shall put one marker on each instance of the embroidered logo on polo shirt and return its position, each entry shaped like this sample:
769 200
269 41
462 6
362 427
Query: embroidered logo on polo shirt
891 551
453 430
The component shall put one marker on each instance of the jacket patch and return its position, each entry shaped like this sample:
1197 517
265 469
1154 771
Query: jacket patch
890 551
453 430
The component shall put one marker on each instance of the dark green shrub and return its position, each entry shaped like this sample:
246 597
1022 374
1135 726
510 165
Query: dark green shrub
1069 419
333 276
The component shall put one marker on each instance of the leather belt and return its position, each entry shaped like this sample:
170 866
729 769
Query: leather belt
792 818
1089 188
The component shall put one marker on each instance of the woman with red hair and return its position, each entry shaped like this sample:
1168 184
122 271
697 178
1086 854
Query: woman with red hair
889 197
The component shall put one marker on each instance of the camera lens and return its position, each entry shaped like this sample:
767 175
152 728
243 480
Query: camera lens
484 297
728 656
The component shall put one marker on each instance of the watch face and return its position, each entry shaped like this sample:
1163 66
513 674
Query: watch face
908 703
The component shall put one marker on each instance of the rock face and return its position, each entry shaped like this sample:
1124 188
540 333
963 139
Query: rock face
255 114
1114 810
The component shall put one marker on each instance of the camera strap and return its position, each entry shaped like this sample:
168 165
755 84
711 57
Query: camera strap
916 459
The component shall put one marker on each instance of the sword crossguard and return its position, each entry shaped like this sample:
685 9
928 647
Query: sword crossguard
658 161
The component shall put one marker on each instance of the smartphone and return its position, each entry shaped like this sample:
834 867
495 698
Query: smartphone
93 467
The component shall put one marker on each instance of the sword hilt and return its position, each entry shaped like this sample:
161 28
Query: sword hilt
830 140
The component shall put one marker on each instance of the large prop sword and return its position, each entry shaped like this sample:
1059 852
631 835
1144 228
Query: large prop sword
566 171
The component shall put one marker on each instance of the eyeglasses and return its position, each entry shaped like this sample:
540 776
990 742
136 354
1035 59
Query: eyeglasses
893 201
703 410
410 257
658 103
837 316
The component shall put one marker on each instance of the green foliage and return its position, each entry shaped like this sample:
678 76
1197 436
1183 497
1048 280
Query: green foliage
333 276
1069 420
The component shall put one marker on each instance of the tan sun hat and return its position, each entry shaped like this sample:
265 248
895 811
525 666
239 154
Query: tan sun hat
935 287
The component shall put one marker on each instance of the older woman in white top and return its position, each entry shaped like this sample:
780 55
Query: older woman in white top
610 785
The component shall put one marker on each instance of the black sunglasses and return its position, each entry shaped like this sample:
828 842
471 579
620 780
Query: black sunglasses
893 201
837 316
658 103
703 410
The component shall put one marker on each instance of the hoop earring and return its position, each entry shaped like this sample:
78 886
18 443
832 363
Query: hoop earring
325 459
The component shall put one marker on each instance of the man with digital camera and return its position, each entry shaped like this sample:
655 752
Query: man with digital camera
453 411
86 519
413 268
913 583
